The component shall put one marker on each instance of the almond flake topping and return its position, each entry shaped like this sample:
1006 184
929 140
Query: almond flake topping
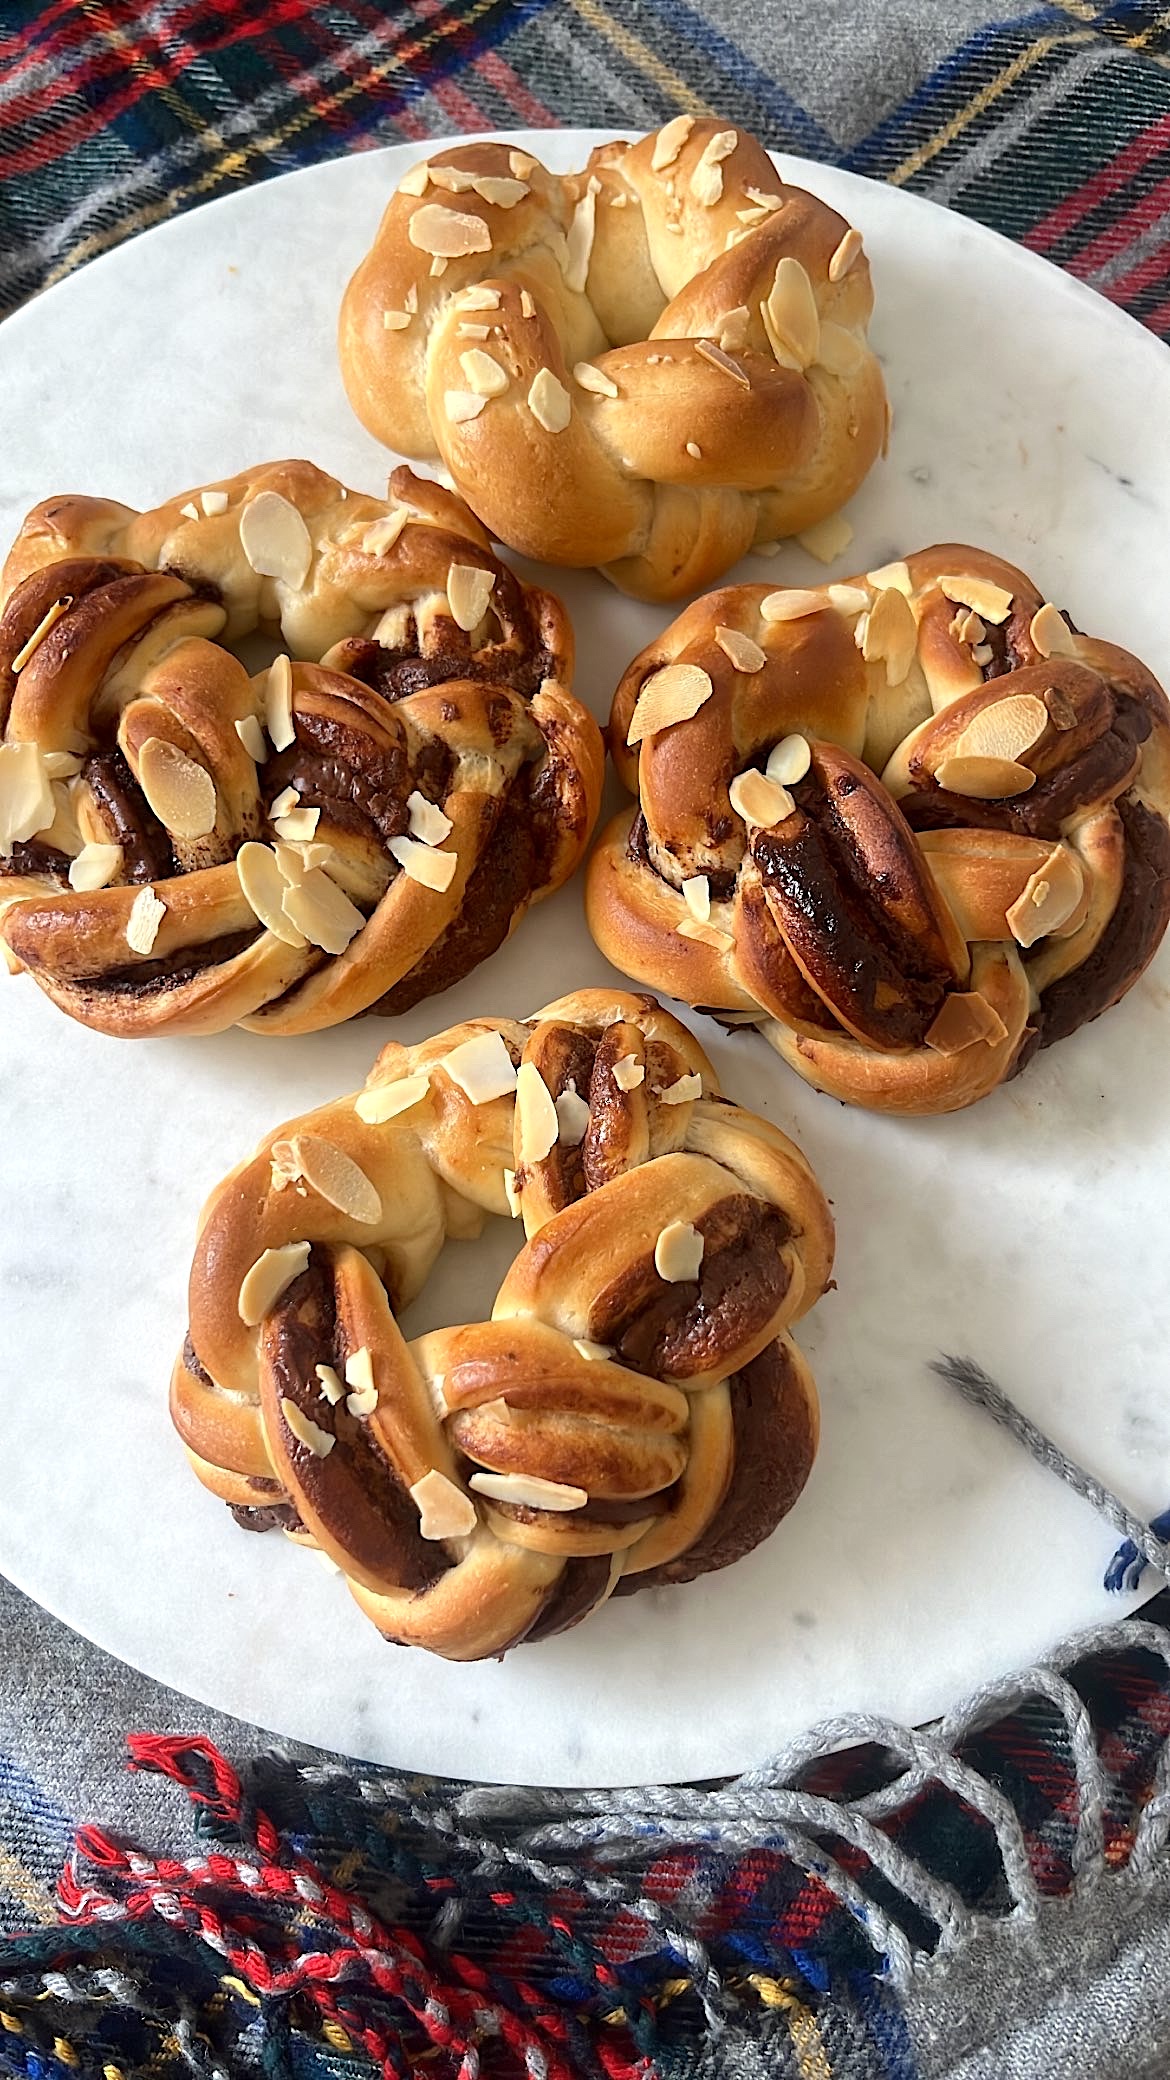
359 1374
448 234
965 1019
707 179
287 799
482 1068
298 827
573 1119
336 1178
180 791
789 761
47 621
708 350
891 632
479 297
537 1121
263 888
521 164
683 1091
146 914
979 593
628 1072
95 867
395 321
322 911
765 202
845 254
278 704
733 329
896 575
306 1431
1048 898
1050 632
1004 729
694 451
740 650
61 765
758 800
427 821
590 378
444 1511
484 374
213 503
385 1101
331 1389
382 534
527 307
549 402
984 779
190 511
462 405
528 1491
414 182
421 863
828 539
275 540
790 314
696 894
579 244
595 1353
795 603
251 736
26 795
848 599
839 350
469 588
670 141
270 1276
453 180
501 192
678 1253
466 330
671 695
707 934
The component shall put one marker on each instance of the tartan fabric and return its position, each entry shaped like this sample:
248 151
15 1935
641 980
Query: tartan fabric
313 1929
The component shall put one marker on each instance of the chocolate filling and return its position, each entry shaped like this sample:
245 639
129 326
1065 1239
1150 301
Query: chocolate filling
580 1588
359 784
276 1516
146 848
1127 944
148 978
34 857
675 1330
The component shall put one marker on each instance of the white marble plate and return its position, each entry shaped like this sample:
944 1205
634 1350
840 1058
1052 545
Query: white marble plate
928 1553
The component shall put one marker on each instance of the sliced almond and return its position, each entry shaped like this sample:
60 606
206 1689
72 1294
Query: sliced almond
839 351
382 534
499 191
469 588
395 321
297 827
964 1020
629 1072
385 1101
594 1353
681 1092
763 201
696 894
278 704
758 800
444 1511
213 503
306 1431
61 765
454 180
146 914
336 1178
678 1253
537 1124
706 934
427 822
528 1491
48 620
269 1277
981 594
521 164
549 402
967 627
671 695
793 604
984 779
896 575
670 141
190 511
512 1195
740 650
587 377
421 863
466 330
847 599
95 867
891 633
527 307
484 373
322 911
789 761
275 540
179 790
26 795
573 1119
1004 729
733 329
1051 633
482 1068
694 451
331 1389
449 234
462 405
790 312
264 888
359 1374
982 654
844 254
706 183
415 181
579 244
828 539
708 351
251 736
1048 898
285 801
296 858
479 297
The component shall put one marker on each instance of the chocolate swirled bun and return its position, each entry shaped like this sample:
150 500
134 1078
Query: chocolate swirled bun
650 366
914 825
634 1413
184 847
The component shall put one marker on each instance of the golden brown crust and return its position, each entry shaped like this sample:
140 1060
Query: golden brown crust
729 394
111 671
969 860
649 1392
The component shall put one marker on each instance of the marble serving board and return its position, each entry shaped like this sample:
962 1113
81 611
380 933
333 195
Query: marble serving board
928 1552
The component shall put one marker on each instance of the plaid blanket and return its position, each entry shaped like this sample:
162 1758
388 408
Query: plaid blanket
986 1901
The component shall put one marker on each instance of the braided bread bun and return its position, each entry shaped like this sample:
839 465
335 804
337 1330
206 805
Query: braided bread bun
634 1413
906 942
167 867
648 366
